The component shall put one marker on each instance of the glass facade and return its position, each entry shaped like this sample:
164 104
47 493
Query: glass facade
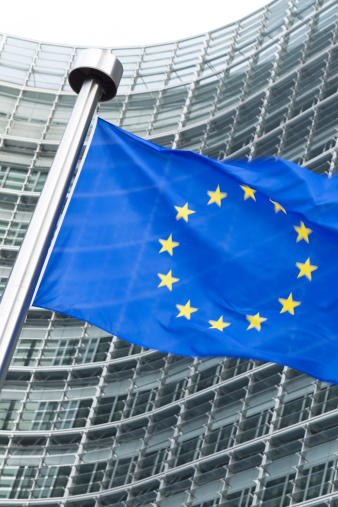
88 420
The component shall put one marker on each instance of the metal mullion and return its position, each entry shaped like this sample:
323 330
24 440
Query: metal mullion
222 494
15 231
302 459
67 412
101 384
161 92
245 404
282 42
207 426
113 408
23 402
193 485
320 94
95 341
221 85
278 403
6 455
154 119
131 391
196 395
79 343
295 119
162 382
273 83
265 461
72 474
130 496
252 61
3 42
5 176
97 344
335 475
219 116
45 339
159 494
22 89
10 121
82 443
43 134
43 464
20 480
325 472
131 88
334 161
21 194
303 62
36 182
129 473
41 415
261 475
38 468
255 54
173 440
59 402
142 451
193 372
198 70
113 469
106 476
284 128
88 423
317 391
93 473
10 222
132 399
63 345
97 396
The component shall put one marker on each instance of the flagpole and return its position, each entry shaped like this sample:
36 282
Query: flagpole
95 77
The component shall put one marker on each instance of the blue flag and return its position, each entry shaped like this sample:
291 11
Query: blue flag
173 251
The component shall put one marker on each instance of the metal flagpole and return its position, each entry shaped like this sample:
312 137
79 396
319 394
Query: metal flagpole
95 77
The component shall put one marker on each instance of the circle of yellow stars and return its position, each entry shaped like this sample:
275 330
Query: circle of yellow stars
255 321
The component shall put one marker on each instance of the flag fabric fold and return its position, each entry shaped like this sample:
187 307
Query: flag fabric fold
173 251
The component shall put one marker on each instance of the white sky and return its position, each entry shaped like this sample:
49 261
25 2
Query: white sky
123 23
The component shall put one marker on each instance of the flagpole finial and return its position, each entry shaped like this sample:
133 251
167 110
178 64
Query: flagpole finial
99 64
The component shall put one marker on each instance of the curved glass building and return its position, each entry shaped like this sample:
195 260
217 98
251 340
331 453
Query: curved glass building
88 420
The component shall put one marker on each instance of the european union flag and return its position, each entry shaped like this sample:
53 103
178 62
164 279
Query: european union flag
177 252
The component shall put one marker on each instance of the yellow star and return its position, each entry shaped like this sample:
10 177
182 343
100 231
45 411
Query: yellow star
218 324
303 232
255 321
168 244
186 310
306 269
248 192
216 196
288 304
167 280
183 212
278 207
